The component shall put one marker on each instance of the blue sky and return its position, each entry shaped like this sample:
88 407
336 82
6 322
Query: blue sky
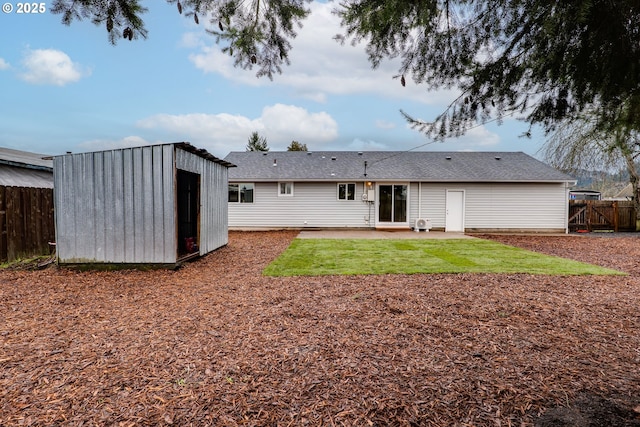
67 89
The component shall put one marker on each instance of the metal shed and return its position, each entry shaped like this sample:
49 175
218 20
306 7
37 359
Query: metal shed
158 204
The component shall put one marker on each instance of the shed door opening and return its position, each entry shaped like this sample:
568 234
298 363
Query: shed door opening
188 198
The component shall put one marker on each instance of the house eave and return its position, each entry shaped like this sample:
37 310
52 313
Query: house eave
379 179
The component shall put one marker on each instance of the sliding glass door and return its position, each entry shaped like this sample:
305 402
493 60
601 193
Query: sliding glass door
392 205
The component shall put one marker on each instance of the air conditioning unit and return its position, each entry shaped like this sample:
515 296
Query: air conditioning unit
422 224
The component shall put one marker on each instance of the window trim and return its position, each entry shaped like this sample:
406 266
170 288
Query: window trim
346 192
239 201
280 193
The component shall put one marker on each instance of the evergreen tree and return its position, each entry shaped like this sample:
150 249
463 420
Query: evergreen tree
257 143
548 60
296 146
255 33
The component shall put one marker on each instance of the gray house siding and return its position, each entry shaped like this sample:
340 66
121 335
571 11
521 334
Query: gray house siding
120 206
415 198
313 204
524 206
501 206
433 203
495 190
495 206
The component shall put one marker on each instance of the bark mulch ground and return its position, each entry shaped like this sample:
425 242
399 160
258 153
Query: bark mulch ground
215 343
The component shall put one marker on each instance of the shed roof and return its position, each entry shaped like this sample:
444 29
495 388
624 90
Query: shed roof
422 166
203 153
187 147
25 169
11 176
25 159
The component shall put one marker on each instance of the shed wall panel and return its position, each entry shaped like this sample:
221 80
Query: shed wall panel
100 192
137 177
169 208
158 191
107 184
213 196
116 224
215 206
128 205
106 209
84 172
148 250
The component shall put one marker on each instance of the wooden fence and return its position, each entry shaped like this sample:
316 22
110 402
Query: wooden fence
26 222
599 215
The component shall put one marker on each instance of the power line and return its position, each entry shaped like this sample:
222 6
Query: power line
434 141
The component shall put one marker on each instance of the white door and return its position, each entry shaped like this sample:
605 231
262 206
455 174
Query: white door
455 211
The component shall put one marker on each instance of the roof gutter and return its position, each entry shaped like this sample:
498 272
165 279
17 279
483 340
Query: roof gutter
26 165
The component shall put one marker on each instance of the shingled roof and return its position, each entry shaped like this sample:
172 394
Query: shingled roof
423 166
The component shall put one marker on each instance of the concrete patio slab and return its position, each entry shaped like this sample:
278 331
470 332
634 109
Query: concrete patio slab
379 234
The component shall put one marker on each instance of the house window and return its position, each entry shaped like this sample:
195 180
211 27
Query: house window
347 191
285 189
240 193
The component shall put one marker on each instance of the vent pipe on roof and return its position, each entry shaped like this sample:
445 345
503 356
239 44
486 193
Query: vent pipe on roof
498 157
333 158
448 157
275 162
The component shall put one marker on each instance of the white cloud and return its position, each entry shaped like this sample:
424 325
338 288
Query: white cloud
477 139
51 67
291 122
191 40
385 124
4 65
319 65
368 145
221 133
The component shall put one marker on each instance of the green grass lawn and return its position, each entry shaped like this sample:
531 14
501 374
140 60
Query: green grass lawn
318 257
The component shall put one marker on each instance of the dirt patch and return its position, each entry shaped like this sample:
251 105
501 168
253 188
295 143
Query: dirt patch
588 410
216 343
